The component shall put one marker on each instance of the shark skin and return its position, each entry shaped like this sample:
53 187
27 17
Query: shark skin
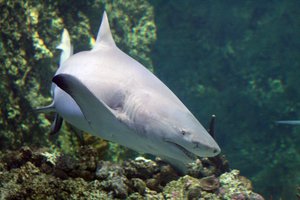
109 94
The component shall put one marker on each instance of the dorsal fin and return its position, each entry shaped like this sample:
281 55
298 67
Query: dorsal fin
104 36
65 46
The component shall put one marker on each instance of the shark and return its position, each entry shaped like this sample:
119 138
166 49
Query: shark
66 51
107 93
290 122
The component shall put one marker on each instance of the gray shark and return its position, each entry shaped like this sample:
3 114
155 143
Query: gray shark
109 94
290 122
66 51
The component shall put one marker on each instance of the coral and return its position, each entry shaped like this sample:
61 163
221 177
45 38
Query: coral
209 183
234 186
180 189
208 166
30 32
29 174
24 44
50 157
228 186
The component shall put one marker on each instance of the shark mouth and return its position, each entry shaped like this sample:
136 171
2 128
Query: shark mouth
184 150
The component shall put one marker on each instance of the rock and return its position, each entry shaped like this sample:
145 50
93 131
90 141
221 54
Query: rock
42 174
209 183
233 186
204 167
138 185
153 184
140 168
183 188
194 193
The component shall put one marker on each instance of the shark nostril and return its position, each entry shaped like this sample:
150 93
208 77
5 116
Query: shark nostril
215 151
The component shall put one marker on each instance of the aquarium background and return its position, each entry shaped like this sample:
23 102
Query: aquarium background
239 60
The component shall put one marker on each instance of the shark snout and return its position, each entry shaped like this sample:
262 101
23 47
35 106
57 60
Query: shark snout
206 150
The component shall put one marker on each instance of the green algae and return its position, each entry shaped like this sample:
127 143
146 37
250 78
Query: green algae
30 32
32 174
23 48
232 184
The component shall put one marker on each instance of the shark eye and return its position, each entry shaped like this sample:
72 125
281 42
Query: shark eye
183 132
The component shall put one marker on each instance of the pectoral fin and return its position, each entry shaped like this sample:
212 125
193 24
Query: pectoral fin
99 116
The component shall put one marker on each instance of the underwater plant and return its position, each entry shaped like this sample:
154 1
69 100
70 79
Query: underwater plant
30 32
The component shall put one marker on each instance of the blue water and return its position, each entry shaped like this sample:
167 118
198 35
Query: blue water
239 60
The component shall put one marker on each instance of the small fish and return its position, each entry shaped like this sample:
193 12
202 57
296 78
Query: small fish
109 94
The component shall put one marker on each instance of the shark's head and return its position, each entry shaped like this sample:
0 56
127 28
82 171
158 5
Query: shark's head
182 135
